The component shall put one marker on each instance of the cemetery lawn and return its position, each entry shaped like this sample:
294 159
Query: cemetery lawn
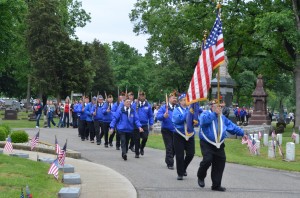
16 173
239 154
22 121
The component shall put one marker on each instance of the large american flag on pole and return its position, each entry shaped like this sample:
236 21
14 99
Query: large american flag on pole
8 146
35 140
212 55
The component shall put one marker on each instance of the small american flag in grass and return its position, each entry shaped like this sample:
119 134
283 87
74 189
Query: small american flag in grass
54 169
8 146
35 140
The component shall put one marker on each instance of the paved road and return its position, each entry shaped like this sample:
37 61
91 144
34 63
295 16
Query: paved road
151 178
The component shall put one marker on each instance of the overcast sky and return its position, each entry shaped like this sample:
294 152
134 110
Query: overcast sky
110 22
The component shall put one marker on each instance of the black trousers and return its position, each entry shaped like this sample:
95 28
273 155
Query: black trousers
118 139
124 141
83 129
214 157
184 152
137 136
168 141
106 132
132 141
90 125
98 125
75 118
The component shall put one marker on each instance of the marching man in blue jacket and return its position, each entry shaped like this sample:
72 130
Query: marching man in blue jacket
184 145
125 120
145 114
212 145
164 115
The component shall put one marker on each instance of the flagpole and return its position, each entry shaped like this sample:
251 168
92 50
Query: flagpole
218 84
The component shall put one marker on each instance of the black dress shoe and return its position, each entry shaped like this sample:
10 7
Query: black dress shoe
185 174
124 157
142 151
219 188
106 146
137 156
171 167
179 177
98 143
201 182
117 148
82 139
111 144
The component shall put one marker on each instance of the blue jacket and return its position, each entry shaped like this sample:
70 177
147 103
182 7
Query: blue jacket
179 118
78 110
125 123
89 110
107 116
145 113
115 107
206 126
99 114
166 122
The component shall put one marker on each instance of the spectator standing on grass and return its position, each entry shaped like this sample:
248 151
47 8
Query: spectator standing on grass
38 111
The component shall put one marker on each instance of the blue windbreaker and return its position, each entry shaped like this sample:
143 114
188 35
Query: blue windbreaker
145 113
179 118
166 122
125 123
209 119
99 114
107 116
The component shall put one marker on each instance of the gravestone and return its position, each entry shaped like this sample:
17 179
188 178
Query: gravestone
68 168
271 152
257 147
290 151
266 139
260 114
279 138
72 178
21 155
69 192
297 139
46 160
10 114
255 136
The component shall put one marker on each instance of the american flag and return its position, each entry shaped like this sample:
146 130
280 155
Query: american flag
35 140
244 140
212 55
22 194
54 169
273 134
259 135
62 155
57 147
8 146
294 135
253 147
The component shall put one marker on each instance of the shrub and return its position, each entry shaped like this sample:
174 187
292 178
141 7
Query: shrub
19 136
8 129
4 130
2 135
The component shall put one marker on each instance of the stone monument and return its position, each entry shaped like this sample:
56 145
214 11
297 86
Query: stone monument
10 114
226 88
260 114
290 151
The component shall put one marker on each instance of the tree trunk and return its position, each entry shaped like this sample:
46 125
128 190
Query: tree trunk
297 83
28 93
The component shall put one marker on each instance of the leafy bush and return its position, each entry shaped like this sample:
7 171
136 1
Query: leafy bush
4 130
19 136
8 129
2 135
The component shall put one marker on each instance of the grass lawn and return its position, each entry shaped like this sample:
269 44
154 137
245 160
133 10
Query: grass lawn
238 153
16 173
22 121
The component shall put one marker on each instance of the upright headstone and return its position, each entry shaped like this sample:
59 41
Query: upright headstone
290 151
297 139
271 149
256 136
251 135
279 138
266 139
